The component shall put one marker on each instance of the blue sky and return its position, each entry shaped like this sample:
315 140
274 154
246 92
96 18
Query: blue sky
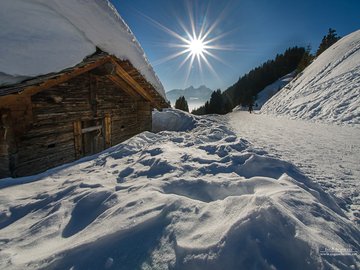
248 31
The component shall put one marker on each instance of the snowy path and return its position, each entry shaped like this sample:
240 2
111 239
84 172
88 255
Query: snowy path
328 154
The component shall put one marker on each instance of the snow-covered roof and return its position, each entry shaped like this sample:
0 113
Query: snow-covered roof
44 36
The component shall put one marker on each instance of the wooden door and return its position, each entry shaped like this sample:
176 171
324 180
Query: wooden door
89 137
93 137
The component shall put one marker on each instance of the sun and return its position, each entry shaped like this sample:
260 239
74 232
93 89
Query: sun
197 43
196 47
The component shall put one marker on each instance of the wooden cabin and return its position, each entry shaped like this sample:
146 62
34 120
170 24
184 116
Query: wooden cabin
58 118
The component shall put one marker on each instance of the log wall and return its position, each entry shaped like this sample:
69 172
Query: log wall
57 118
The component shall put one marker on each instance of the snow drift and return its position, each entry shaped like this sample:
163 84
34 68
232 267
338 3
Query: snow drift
172 120
44 36
328 90
201 199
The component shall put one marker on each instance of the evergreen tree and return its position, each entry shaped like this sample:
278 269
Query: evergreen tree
305 60
257 79
216 104
182 104
199 111
327 41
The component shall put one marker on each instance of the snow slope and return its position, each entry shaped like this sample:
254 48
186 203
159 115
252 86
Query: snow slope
328 90
44 36
265 94
272 89
197 199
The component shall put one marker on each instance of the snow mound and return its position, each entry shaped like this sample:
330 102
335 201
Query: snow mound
172 120
201 199
328 90
44 36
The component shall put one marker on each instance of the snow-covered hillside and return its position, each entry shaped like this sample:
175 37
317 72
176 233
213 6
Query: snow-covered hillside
328 90
272 89
200 199
44 36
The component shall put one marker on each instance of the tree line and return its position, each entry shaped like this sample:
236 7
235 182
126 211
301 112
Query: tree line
244 91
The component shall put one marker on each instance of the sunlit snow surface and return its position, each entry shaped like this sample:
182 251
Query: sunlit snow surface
195 198
44 36
329 154
328 90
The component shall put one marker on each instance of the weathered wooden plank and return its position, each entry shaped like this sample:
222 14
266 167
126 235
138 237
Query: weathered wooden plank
57 149
123 86
32 90
108 130
90 129
78 139
48 130
46 140
41 164
134 84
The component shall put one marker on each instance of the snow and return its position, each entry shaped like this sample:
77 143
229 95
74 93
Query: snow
172 120
240 108
328 154
328 90
200 197
270 90
41 36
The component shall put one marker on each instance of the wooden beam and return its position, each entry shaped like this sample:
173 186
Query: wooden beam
134 84
78 140
104 70
34 89
107 130
89 129
124 86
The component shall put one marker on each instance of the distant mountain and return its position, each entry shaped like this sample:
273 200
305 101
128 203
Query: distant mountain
327 90
194 96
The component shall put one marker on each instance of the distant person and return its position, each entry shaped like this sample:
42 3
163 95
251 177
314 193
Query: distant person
250 107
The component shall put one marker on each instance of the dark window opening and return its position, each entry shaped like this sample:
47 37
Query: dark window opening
51 145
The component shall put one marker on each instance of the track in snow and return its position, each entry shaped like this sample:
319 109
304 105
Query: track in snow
328 154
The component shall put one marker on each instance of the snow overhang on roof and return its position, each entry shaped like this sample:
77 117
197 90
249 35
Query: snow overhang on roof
121 72
39 37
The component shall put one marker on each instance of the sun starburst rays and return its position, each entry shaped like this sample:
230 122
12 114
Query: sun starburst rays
198 49
197 44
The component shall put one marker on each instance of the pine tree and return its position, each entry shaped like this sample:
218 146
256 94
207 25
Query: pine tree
305 60
327 41
217 103
182 104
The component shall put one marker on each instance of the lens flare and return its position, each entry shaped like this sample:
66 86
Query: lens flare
196 47
198 42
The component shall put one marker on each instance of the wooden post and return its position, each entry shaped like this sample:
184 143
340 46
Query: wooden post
78 139
4 137
93 94
107 130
